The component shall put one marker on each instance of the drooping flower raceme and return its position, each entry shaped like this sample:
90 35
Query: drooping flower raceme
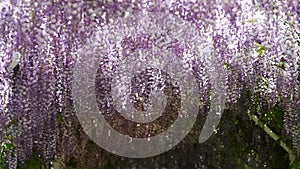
256 42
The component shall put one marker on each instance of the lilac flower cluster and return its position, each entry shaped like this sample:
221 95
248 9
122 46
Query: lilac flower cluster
257 42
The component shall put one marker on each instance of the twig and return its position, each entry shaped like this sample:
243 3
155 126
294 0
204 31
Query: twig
292 156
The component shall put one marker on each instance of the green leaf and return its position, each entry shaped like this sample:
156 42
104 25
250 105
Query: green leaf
282 65
227 66
7 146
295 165
260 49
59 118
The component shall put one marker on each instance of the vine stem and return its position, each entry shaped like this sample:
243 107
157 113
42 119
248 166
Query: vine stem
292 156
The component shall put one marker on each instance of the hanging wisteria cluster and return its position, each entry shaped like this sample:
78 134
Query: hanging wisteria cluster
256 41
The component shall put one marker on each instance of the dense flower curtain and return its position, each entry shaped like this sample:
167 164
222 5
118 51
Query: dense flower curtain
256 41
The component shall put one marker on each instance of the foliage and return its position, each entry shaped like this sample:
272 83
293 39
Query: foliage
36 162
256 41
6 147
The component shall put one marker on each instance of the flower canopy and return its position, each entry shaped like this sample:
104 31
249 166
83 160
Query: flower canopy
256 42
